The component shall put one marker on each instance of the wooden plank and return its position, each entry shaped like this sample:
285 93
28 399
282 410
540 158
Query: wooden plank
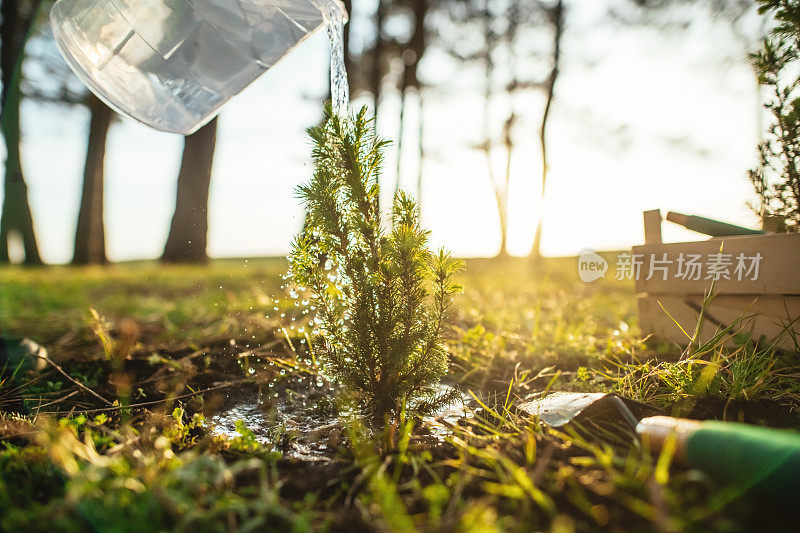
767 316
777 256
652 227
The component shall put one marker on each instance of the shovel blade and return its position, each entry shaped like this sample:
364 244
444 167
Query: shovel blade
560 408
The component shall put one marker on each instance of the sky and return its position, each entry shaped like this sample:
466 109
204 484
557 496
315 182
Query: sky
643 119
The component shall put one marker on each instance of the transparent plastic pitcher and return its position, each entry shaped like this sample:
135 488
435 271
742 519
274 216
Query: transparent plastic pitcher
172 64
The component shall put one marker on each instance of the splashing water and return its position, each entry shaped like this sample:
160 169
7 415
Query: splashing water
340 89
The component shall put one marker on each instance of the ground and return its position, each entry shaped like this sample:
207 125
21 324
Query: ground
178 397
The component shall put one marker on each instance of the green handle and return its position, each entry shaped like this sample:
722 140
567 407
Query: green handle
766 461
708 226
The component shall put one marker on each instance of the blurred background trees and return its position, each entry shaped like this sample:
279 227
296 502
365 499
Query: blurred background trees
516 45
48 79
16 220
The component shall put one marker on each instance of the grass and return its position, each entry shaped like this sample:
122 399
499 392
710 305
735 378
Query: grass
165 339
176 304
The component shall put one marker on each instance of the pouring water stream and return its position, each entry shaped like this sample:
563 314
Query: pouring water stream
340 89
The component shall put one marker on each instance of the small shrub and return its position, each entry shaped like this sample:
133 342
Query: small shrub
382 297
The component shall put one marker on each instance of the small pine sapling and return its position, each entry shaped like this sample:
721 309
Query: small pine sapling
383 298
776 179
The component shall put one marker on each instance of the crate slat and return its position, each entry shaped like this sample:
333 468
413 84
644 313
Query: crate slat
779 271
766 316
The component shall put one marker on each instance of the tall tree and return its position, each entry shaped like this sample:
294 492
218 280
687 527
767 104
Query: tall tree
188 233
555 17
491 42
418 46
378 70
15 28
514 20
475 37
410 53
90 237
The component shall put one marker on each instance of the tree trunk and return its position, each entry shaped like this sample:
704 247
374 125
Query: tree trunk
417 48
90 237
188 234
508 126
376 74
487 148
16 216
557 20
409 79
376 81
508 141
420 145
488 145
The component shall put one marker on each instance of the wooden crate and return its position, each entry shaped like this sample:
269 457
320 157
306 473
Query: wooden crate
770 300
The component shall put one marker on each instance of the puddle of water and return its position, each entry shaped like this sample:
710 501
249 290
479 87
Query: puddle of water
296 411
439 423
297 418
